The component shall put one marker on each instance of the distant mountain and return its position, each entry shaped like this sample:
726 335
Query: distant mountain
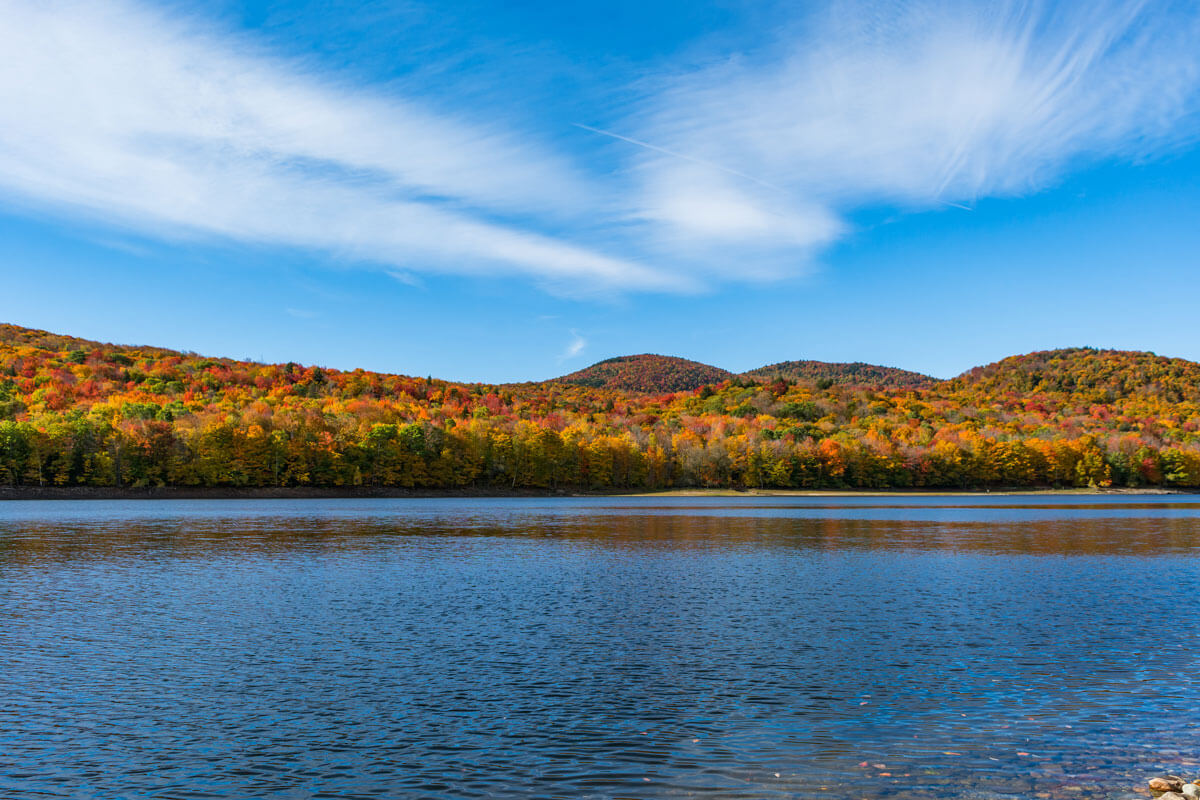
853 374
648 374
1097 375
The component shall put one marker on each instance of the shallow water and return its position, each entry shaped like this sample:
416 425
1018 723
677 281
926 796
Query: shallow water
980 647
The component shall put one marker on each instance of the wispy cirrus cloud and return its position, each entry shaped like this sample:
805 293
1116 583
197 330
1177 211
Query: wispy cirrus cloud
118 111
912 104
574 347
742 170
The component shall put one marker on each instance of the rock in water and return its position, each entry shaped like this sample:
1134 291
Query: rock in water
1171 796
1191 790
1168 784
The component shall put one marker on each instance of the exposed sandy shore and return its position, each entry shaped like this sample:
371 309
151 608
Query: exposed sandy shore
285 493
901 492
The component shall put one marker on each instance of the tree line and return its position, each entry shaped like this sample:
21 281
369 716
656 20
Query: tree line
74 413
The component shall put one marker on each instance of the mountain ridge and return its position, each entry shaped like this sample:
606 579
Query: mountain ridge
649 373
77 413
1053 370
857 373
1101 372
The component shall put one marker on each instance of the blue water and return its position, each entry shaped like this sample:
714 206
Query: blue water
924 647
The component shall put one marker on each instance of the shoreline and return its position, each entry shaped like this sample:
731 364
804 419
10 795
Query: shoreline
1003 492
14 493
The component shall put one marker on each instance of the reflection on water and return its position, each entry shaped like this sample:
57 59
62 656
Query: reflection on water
717 647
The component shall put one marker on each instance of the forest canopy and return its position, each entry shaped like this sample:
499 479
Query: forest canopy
79 413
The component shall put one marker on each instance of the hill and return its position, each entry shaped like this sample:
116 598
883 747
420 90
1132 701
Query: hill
44 340
1088 374
77 413
851 374
647 374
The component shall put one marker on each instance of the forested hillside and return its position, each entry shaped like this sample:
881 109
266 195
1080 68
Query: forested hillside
852 374
74 412
647 374
1099 375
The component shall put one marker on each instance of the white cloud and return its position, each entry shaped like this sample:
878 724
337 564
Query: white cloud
574 347
405 277
914 104
124 114
730 228
743 170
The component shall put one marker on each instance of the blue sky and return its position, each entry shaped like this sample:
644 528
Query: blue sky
496 192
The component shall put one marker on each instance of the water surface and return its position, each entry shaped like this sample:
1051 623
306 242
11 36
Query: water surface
984 647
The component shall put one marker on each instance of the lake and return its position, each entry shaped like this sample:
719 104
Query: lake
721 647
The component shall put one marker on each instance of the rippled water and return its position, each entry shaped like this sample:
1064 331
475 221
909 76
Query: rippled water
983 647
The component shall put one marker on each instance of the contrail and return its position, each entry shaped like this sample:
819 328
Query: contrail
702 162
684 156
